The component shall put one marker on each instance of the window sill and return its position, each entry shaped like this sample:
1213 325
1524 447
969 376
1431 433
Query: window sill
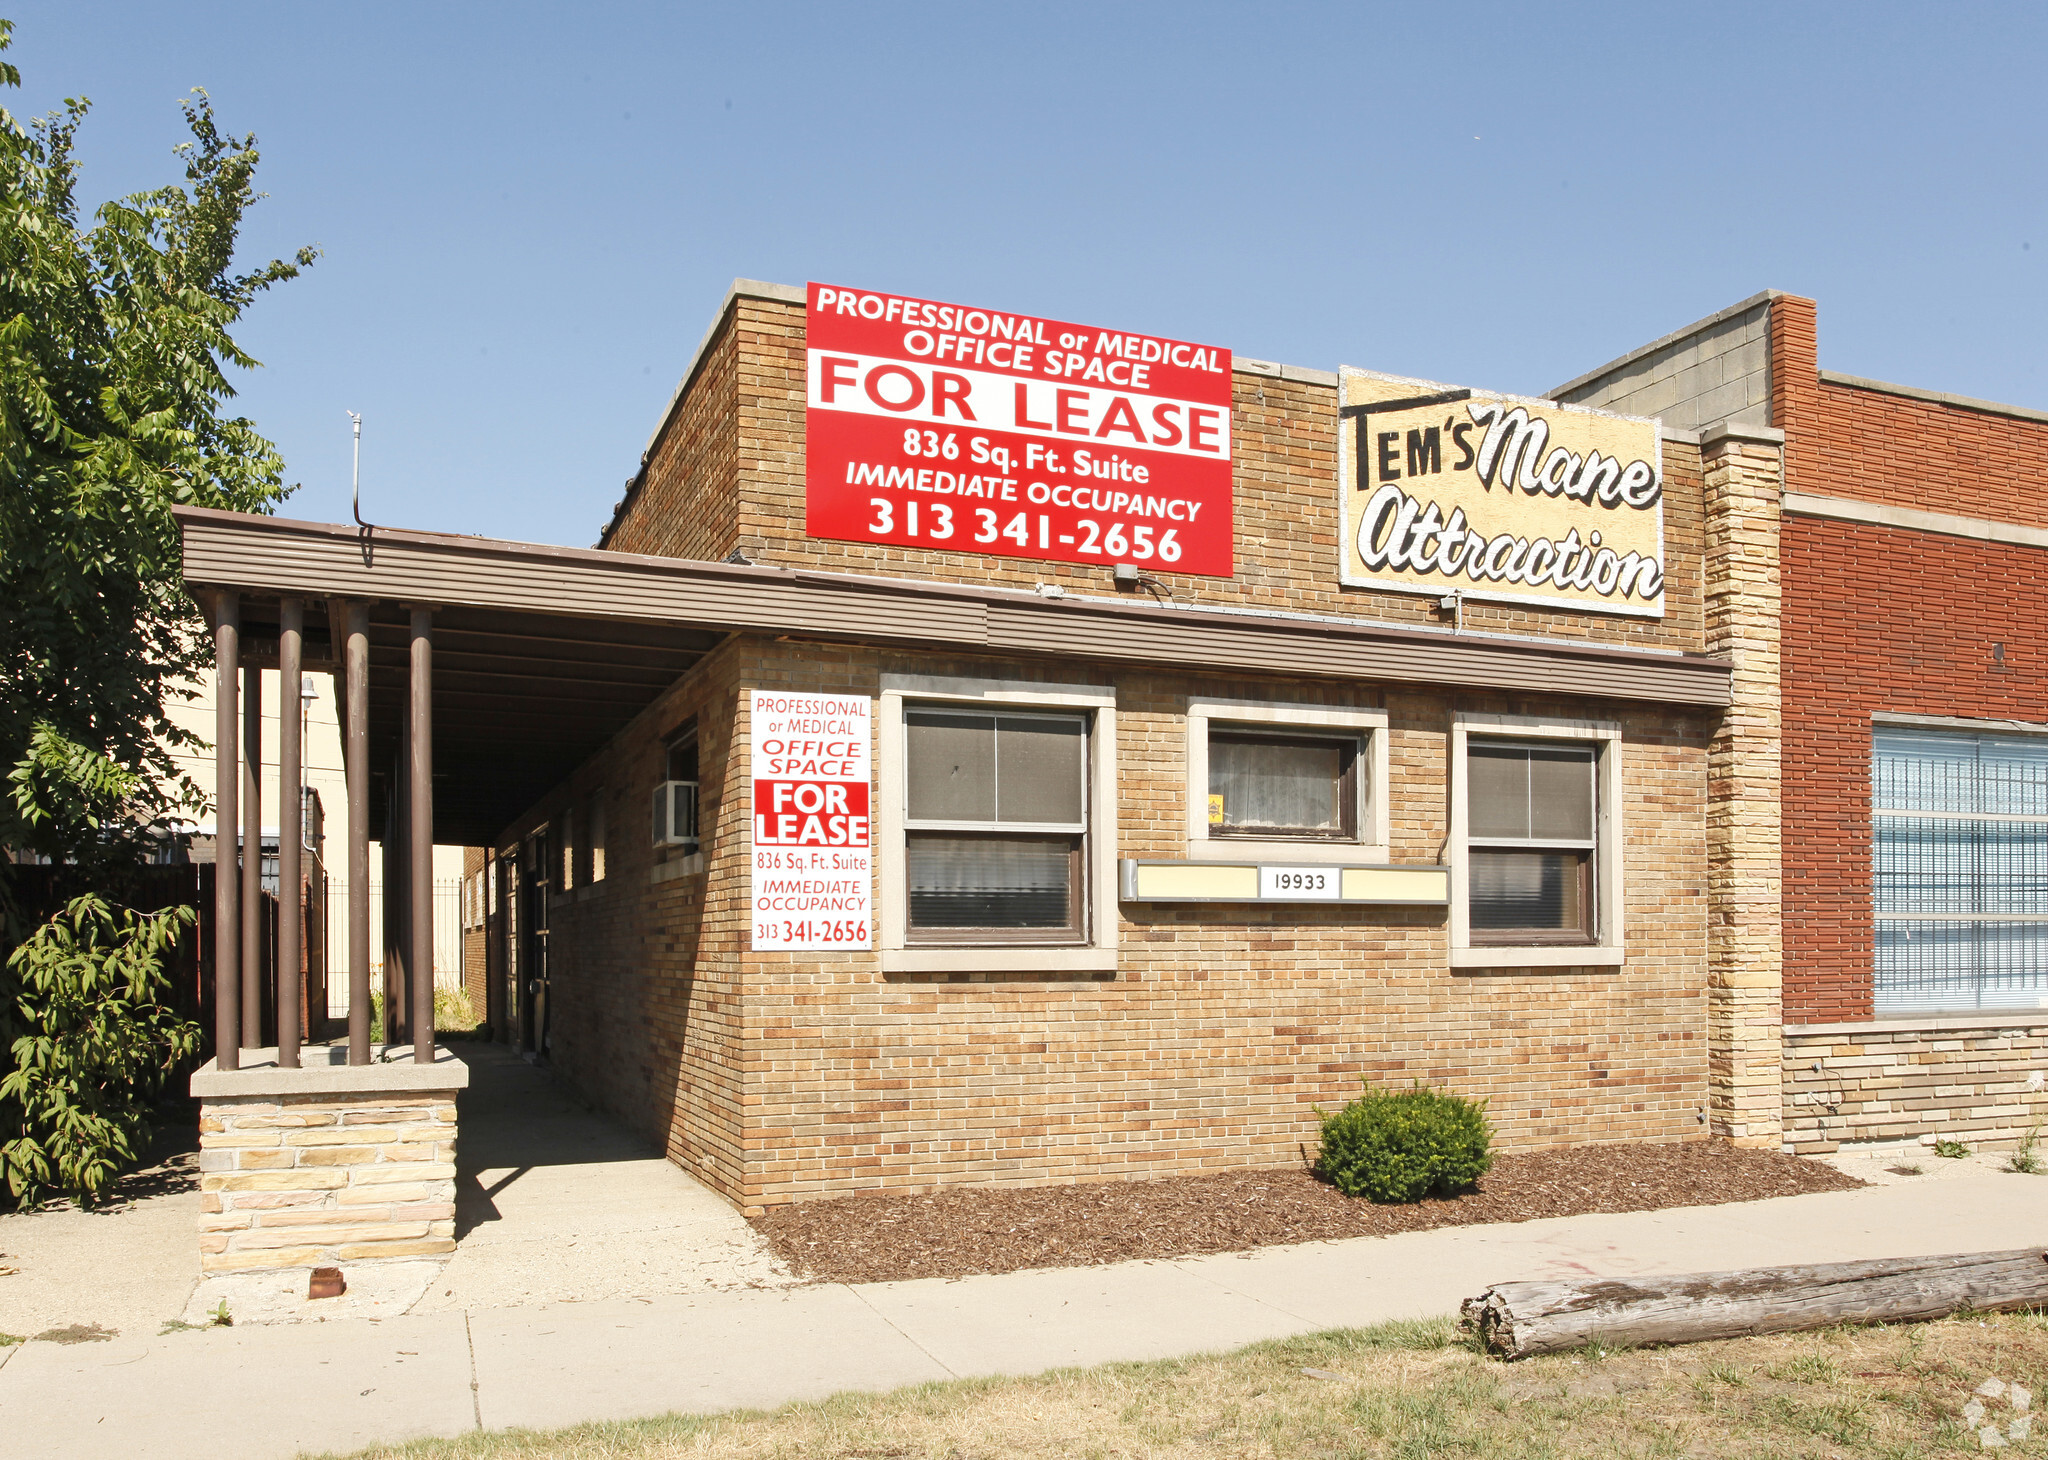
1301 854
675 867
999 960
1549 955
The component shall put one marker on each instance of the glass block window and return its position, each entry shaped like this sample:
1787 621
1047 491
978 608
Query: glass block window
1959 823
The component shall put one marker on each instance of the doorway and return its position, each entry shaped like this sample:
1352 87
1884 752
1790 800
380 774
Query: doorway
530 974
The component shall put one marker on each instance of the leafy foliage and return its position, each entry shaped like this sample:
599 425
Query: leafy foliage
1403 1145
92 1043
113 349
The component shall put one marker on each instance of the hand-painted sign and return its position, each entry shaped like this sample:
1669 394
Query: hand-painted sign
969 430
1498 497
813 885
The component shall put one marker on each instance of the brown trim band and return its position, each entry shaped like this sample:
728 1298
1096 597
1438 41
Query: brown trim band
275 555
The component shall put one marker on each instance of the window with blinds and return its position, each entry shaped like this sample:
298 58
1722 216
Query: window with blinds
996 824
1959 823
1530 831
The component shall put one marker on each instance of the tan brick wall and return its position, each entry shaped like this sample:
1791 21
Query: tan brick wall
784 1076
707 491
686 509
316 1180
644 965
1978 1082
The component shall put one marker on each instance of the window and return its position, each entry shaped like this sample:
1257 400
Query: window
675 793
567 837
1281 782
679 754
1529 836
1536 875
1282 786
996 817
594 819
1960 886
995 827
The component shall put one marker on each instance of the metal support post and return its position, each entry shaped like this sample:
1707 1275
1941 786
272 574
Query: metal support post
227 771
291 821
420 829
356 758
252 857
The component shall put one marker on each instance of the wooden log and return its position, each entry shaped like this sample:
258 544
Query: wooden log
1515 1320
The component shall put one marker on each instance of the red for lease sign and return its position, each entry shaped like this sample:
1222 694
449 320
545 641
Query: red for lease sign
972 430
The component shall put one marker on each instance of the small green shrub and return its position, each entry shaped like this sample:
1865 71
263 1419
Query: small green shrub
453 1012
2025 1159
1404 1145
1952 1150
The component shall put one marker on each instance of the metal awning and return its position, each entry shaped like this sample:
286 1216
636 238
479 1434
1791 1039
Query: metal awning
542 654
520 699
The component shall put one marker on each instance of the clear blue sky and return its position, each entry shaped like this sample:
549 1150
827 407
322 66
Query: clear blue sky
528 213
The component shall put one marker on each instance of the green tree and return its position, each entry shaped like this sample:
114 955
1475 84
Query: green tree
92 1045
114 352
114 348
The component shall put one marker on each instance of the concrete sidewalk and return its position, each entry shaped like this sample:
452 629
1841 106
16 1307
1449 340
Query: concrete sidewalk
340 1385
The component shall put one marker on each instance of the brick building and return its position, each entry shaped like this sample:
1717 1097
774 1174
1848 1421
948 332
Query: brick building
1915 713
1162 1037
1460 759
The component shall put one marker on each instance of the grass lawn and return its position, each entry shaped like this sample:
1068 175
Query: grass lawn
1399 1390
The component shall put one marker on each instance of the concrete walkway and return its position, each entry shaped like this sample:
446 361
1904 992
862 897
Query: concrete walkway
337 1386
554 1203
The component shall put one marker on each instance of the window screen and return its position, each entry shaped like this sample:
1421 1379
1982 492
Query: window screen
996 819
1959 825
995 769
1283 786
1529 842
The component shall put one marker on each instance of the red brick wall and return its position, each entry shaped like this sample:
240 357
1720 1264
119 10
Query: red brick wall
1880 618
1871 446
475 963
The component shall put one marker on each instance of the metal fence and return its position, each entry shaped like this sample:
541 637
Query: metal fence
447 937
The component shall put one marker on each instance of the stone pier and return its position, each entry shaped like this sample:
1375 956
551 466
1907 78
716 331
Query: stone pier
327 1165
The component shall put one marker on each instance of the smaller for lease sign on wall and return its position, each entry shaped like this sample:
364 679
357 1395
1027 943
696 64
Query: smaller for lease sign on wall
972 430
813 880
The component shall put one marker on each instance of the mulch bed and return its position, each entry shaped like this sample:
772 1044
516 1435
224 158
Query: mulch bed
963 1231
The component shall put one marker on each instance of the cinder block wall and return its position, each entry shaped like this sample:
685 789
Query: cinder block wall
1975 1080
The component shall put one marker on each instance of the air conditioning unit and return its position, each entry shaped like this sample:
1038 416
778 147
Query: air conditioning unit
675 814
